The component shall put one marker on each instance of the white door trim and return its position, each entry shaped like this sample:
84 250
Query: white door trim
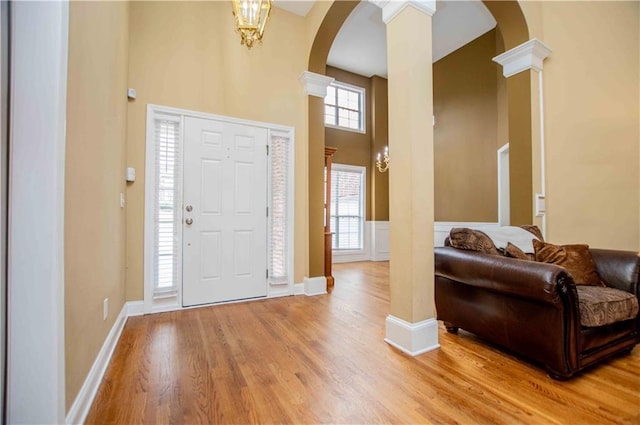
175 303
36 362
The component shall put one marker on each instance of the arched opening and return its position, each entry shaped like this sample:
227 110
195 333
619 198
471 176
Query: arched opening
513 29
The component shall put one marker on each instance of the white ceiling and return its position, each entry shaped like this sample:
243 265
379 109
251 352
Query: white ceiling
299 7
360 45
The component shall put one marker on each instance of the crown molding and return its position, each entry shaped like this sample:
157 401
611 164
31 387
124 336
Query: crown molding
391 8
528 55
315 84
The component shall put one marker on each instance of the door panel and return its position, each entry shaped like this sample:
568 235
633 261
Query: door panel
225 183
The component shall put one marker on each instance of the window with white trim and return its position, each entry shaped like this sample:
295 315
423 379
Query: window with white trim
279 214
347 206
166 206
344 107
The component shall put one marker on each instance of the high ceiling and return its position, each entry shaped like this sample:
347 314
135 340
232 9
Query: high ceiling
360 45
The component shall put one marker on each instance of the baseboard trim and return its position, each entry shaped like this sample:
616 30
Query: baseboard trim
135 308
298 289
81 405
315 285
412 338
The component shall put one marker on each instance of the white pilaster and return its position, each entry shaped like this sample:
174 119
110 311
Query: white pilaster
529 55
391 8
315 84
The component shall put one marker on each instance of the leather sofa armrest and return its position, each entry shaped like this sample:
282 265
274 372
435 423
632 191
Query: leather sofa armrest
618 269
536 281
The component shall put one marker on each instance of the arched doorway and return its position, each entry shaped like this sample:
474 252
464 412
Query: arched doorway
513 27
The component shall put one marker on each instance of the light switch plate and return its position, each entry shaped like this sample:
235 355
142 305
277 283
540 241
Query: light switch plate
540 205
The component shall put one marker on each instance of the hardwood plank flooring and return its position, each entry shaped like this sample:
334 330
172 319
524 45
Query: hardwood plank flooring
323 360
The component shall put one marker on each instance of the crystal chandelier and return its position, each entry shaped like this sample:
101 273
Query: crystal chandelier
251 17
382 161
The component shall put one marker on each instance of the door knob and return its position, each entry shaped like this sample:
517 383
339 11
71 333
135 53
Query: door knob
189 208
189 221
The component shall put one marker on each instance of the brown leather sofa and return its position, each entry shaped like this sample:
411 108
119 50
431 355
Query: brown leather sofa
532 308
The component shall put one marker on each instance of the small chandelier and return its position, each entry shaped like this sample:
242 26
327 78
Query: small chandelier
382 161
251 16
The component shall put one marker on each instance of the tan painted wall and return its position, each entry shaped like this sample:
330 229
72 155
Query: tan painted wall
353 148
591 86
95 163
503 107
465 101
188 55
379 139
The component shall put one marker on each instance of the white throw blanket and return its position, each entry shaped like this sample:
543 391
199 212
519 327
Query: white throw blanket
516 235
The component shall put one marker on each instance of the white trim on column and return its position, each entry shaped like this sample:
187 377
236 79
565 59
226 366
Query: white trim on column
528 55
412 338
315 84
391 8
315 285
35 338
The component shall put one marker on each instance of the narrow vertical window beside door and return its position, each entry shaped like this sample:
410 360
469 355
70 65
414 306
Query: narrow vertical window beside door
279 206
347 207
167 206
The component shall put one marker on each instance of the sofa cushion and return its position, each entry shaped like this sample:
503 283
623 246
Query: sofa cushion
601 306
473 240
575 258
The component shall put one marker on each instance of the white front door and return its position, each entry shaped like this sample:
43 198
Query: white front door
224 212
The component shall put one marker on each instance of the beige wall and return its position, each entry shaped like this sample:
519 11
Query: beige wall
465 101
379 140
591 86
95 163
188 55
592 114
353 148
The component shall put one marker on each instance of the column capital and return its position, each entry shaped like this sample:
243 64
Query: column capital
391 8
528 55
315 84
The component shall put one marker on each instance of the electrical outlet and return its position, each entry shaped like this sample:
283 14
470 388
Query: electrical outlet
105 309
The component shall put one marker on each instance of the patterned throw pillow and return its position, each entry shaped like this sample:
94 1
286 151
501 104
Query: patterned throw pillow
575 258
532 228
473 240
513 251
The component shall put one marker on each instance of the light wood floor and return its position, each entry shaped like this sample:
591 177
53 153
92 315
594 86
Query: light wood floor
323 360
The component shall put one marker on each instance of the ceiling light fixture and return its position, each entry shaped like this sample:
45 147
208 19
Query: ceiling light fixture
251 17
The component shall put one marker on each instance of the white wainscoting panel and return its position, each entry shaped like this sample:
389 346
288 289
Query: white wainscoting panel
376 239
379 241
442 228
